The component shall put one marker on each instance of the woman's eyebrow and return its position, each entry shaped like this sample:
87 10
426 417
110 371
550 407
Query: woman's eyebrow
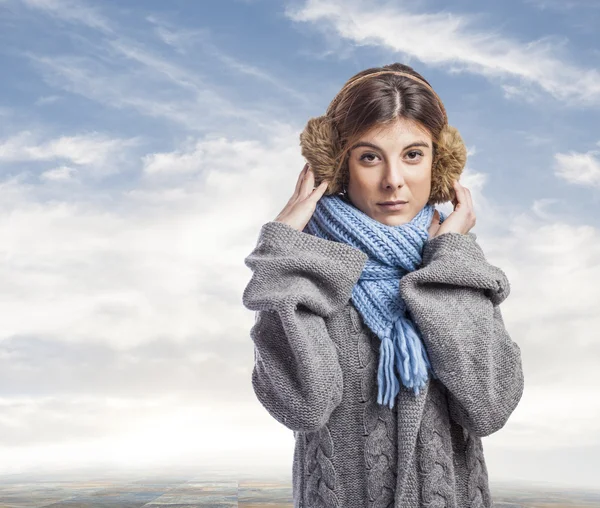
373 145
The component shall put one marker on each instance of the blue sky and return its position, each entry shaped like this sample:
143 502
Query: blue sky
142 146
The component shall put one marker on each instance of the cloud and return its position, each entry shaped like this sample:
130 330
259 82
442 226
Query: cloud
47 100
533 138
153 434
454 42
184 40
578 168
539 207
121 72
563 5
125 299
100 154
73 11
129 77
553 270
102 83
59 174
206 153
102 370
130 273
118 298
93 148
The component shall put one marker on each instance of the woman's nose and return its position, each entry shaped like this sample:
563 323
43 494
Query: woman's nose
394 175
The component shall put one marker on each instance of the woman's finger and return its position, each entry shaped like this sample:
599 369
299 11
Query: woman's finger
457 198
473 216
469 199
466 197
300 179
309 182
320 190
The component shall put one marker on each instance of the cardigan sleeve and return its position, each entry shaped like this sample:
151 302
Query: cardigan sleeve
454 299
298 281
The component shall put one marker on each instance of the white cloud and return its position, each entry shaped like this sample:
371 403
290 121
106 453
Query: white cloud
165 271
144 272
117 296
138 433
92 149
182 40
578 168
539 208
534 139
453 41
120 86
153 86
59 174
564 5
209 153
73 11
50 99
553 270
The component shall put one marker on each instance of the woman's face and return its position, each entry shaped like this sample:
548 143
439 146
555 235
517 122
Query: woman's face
391 163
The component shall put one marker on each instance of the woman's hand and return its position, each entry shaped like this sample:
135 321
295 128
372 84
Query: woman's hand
302 204
462 219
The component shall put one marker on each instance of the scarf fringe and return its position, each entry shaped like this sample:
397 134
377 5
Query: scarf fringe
404 352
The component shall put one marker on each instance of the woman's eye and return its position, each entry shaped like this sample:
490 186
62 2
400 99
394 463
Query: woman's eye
362 157
412 155
415 152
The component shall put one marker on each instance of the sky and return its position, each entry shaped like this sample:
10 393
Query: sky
144 144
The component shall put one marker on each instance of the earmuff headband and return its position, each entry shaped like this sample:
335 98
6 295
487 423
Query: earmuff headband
400 73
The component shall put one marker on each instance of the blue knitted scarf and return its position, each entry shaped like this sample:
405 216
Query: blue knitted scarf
393 251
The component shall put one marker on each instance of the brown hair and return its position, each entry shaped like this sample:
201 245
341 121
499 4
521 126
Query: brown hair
367 101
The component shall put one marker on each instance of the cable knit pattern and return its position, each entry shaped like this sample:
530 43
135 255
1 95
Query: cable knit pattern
435 461
477 486
321 480
316 365
379 425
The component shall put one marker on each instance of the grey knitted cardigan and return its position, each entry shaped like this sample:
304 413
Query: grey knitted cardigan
315 368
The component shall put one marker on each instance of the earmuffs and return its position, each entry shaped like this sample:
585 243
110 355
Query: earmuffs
322 150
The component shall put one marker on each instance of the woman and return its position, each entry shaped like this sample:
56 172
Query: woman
378 337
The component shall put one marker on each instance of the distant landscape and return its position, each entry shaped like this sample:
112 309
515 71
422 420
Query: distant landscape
218 489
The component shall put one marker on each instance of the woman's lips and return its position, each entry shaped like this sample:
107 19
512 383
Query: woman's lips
391 208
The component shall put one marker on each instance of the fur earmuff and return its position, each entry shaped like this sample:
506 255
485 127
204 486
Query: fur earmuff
448 163
321 148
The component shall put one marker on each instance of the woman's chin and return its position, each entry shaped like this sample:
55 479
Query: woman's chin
392 219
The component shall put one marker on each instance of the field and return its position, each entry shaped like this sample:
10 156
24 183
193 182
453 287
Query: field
214 491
